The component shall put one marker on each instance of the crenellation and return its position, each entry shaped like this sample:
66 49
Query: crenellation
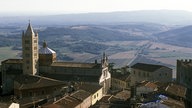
185 61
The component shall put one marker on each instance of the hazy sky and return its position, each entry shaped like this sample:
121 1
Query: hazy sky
79 6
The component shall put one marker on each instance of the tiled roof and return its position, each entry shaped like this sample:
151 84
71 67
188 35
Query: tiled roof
12 61
78 78
146 67
147 84
68 102
31 82
124 95
46 50
77 65
81 94
109 98
177 90
52 106
151 85
161 85
172 103
123 77
91 88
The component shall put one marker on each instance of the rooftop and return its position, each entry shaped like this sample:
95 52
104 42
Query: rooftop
146 67
177 90
172 103
68 102
13 61
124 95
29 30
123 77
23 82
151 85
91 88
45 49
75 64
78 78
81 95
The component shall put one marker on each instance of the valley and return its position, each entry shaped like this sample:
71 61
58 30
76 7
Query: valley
124 44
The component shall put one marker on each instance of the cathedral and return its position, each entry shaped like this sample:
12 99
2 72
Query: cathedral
42 63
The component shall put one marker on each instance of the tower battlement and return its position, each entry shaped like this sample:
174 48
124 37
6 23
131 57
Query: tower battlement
185 61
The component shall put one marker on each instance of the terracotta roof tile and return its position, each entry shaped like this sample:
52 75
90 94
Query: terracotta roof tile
146 67
177 90
30 82
77 65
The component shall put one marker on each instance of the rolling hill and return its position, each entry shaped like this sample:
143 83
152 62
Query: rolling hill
170 17
180 36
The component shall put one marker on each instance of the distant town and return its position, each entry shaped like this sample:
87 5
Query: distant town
39 80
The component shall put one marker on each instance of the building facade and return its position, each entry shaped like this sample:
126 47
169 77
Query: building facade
30 51
9 69
150 72
184 77
120 81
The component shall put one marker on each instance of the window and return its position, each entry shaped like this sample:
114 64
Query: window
165 74
147 74
27 61
27 48
27 41
30 93
35 41
35 54
144 74
43 92
94 96
139 73
104 73
97 94
35 48
27 55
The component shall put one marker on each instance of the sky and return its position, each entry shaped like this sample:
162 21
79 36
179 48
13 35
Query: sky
87 6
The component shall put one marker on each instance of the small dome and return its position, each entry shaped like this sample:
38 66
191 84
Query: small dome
45 49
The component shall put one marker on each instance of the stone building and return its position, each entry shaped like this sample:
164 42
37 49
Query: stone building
120 81
9 69
36 86
30 51
184 77
43 62
150 72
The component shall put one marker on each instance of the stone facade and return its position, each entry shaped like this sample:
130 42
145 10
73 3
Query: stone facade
30 51
120 81
149 72
10 68
184 75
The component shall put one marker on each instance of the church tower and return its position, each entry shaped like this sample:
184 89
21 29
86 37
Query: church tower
30 51
105 79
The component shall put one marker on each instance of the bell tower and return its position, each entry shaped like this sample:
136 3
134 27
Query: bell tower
30 51
105 79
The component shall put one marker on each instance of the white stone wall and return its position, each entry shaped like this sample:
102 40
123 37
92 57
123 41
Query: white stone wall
97 96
